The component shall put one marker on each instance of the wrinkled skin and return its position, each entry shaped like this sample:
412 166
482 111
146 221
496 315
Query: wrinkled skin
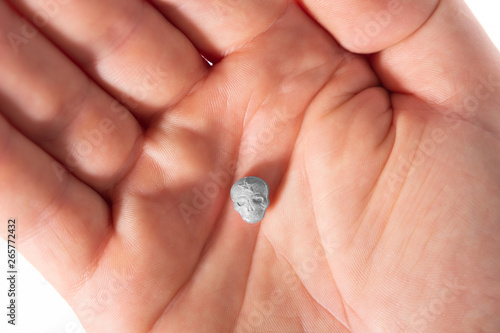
384 169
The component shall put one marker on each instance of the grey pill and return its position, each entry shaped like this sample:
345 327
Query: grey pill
250 197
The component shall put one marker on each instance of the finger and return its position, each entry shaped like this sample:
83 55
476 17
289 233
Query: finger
434 50
369 26
54 104
218 27
126 46
62 225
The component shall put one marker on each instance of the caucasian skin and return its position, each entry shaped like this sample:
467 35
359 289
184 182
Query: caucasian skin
383 168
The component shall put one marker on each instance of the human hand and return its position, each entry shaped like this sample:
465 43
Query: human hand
383 169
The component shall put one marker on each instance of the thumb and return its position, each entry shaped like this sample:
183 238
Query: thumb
433 50
368 26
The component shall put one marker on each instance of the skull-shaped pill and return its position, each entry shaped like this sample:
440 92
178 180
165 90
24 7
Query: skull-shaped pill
250 197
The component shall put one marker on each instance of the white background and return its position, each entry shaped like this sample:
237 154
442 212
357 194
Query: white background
42 310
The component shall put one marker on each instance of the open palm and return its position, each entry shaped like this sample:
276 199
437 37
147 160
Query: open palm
120 144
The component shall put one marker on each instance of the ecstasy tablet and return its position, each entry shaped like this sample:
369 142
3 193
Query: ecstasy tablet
250 197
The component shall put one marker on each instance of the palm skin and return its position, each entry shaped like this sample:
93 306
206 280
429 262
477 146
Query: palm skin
385 194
